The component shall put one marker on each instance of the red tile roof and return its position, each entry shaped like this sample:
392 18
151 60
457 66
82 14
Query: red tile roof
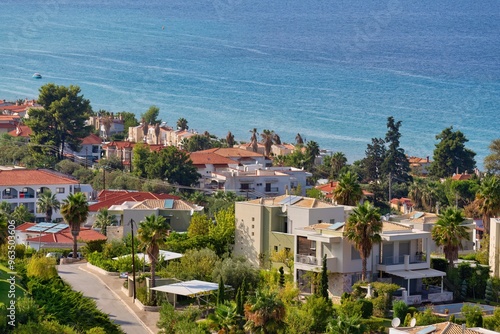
21 131
107 198
65 237
461 177
329 188
209 157
92 139
24 226
27 177
233 152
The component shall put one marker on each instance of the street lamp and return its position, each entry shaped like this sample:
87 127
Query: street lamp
133 257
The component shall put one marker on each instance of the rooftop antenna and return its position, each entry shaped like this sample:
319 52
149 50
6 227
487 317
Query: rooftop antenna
413 322
395 322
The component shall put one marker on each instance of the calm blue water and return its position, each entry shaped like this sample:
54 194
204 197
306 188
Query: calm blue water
331 70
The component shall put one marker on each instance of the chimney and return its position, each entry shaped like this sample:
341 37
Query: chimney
427 159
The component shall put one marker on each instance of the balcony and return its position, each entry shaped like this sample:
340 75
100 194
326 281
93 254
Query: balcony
390 263
271 190
308 262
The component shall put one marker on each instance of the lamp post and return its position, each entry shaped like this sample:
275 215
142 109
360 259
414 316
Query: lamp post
133 257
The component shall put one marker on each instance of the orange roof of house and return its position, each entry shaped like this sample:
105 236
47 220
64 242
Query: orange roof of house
21 131
120 144
402 200
461 177
233 152
24 226
417 160
92 139
208 157
27 177
329 188
65 237
107 198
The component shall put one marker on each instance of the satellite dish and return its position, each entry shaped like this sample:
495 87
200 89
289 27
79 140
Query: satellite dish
284 208
395 322
413 322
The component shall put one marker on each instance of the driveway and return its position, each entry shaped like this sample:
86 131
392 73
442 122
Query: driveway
107 301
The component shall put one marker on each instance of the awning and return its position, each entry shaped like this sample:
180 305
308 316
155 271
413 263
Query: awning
189 288
423 273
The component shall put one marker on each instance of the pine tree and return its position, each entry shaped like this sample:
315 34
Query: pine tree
324 280
489 295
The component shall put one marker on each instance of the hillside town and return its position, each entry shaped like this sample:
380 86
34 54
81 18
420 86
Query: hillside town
193 233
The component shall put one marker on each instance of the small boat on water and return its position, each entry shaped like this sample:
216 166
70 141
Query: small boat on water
37 76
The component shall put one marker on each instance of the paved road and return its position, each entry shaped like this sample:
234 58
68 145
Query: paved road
106 300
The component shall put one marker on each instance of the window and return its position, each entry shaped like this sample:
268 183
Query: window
252 234
253 226
332 221
287 249
60 190
253 219
313 245
268 187
95 149
275 248
355 253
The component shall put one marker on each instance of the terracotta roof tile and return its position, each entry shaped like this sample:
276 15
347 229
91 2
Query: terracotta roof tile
21 131
92 139
22 177
207 158
107 198
65 237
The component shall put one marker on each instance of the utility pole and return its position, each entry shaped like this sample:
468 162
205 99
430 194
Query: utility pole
133 256
390 186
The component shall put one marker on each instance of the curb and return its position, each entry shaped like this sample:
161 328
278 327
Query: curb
117 296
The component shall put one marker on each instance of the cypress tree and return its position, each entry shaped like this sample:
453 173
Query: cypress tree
282 277
221 292
324 280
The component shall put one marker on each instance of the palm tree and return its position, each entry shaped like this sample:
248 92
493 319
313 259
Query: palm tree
267 141
363 228
265 312
75 210
230 139
253 139
182 124
416 192
21 215
488 200
312 151
151 234
225 318
299 140
348 191
276 139
48 203
430 195
449 233
104 219
344 324
5 210
337 161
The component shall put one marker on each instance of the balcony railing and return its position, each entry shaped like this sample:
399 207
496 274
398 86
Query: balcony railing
307 259
395 260
272 190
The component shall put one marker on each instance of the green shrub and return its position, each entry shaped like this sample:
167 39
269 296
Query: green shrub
361 307
473 315
45 327
412 310
27 311
400 309
98 260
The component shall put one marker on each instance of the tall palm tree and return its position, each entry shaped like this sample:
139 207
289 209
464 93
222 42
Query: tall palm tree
449 232
230 139
48 203
430 195
104 219
151 234
75 210
488 200
299 140
363 228
265 312
253 139
337 161
267 141
348 191
312 151
416 191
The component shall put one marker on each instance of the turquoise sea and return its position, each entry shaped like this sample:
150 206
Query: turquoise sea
330 70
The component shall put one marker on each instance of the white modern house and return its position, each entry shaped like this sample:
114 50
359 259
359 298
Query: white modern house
24 186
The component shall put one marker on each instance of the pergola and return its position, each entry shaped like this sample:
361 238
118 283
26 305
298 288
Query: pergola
415 274
194 288
164 255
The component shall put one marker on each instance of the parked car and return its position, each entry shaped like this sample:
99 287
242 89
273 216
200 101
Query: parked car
56 255
124 275
78 255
